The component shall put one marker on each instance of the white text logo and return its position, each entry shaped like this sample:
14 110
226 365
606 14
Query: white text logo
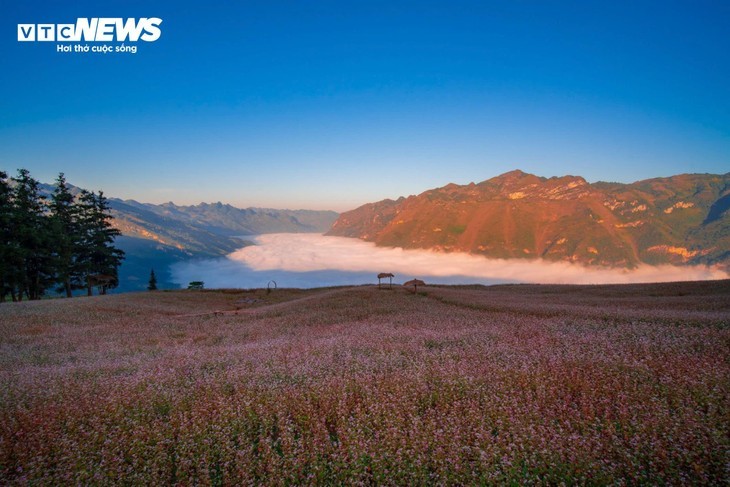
93 29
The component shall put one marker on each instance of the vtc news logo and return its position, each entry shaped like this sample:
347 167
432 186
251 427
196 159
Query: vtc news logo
93 29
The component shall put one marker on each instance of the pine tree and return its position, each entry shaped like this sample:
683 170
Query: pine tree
32 256
98 259
65 242
66 237
152 286
7 281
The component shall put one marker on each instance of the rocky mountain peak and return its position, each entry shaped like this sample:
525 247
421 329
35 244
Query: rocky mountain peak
677 220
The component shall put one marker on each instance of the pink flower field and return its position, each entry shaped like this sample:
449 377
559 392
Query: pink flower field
522 384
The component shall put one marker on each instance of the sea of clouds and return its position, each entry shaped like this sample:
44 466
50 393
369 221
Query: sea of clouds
312 260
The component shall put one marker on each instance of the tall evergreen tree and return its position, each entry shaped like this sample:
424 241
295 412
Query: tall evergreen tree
7 272
33 254
98 260
66 235
152 286
68 242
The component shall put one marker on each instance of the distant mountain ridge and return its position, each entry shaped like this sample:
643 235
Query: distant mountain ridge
683 219
156 236
211 229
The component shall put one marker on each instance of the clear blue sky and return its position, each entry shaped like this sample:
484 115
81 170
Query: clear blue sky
333 104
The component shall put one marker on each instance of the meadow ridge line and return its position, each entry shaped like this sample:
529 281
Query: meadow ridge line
274 306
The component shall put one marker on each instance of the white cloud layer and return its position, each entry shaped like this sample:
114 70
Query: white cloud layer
311 260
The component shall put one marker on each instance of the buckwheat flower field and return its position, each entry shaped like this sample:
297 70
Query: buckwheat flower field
596 385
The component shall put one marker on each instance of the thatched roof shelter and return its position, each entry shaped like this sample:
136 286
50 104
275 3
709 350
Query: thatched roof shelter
415 283
383 275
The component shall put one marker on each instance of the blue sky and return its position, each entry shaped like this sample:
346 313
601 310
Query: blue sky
328 105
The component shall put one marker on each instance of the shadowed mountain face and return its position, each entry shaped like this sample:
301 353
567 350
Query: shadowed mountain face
155 236
211 229
679 220
146 222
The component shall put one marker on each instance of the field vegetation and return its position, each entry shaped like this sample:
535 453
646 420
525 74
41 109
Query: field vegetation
454 385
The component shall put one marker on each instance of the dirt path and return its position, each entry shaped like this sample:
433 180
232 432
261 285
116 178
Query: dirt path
270 307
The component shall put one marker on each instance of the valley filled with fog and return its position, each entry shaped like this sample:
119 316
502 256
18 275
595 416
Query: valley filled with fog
313 260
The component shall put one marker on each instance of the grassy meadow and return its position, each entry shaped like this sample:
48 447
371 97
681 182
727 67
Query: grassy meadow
454 385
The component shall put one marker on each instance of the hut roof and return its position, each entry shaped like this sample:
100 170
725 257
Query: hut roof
414 282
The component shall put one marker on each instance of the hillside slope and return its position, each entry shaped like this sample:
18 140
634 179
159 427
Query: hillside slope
226 220
211 229
462 385
682 219
156 236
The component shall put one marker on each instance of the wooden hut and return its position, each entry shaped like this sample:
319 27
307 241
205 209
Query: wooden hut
383 275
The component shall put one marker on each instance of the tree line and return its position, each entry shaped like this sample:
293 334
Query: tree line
62 242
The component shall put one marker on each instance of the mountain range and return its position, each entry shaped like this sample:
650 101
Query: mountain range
154 236
682 219
210 229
